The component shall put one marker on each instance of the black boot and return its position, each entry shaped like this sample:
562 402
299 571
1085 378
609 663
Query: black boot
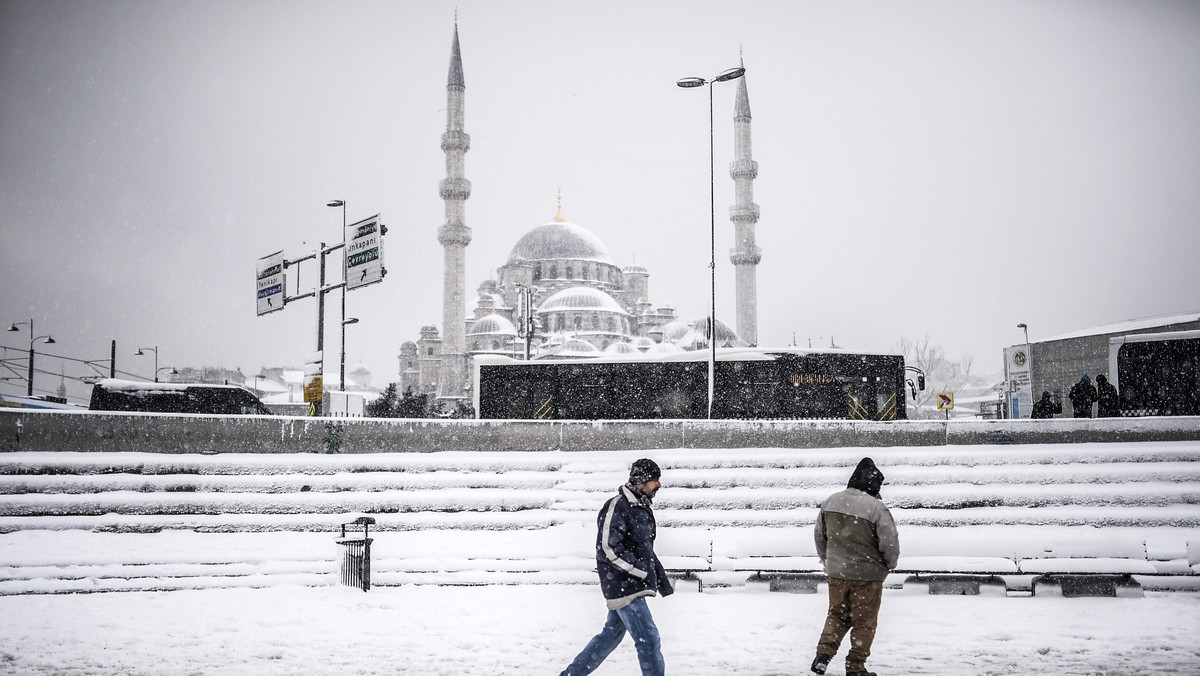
821 663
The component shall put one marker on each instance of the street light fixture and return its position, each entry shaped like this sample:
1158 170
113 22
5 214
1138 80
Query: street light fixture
48 339
689 83
172 368
141 353
342 367
1026 329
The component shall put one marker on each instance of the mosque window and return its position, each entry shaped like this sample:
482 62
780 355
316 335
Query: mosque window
578 322
558 323
495 345
429 351
585 271
553 272
537 272
612 325
595 322
569 273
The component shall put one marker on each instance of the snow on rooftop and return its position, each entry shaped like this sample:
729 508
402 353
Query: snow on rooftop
1129 325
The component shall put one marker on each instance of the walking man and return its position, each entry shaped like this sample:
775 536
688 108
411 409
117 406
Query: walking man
629 572
857 543
1107 398
1082 396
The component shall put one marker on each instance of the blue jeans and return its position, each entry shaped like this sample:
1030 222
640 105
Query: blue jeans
634 618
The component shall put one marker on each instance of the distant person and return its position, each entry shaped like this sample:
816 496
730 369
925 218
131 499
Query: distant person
629 572
1106 395
1082 396
1046 407
857 543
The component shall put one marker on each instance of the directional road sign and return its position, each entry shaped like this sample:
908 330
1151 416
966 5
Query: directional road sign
364 253
270 283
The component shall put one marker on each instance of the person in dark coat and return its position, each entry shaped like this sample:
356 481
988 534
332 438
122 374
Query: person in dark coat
858 545
1106 395
629 572
1046 407
1082 396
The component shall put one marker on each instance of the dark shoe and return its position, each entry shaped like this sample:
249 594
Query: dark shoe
821 663
864 672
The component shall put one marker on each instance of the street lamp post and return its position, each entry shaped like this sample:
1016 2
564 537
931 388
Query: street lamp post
687 83
342 368
48 339
141 353
1025 327
345 322
165 368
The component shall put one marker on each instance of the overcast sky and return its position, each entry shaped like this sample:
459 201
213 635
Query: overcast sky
943 168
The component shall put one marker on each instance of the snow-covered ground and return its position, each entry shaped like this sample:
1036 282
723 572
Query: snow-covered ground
249 602
537 629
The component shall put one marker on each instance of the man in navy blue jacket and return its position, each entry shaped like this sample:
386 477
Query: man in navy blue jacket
629 572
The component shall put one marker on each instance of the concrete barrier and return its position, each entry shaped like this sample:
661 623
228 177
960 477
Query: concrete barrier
36 430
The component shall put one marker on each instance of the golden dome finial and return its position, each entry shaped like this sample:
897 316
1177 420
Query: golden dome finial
559 218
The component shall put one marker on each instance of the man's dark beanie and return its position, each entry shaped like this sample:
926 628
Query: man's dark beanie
643 470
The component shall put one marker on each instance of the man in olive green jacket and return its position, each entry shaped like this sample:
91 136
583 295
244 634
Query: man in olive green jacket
857 543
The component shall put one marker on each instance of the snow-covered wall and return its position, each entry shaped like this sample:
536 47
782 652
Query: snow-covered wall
30 430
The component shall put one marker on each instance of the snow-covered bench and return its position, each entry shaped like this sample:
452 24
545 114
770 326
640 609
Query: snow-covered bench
1062 561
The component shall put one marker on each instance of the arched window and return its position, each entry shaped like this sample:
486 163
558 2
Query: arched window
495 345
558 322
583 273
595 322
537 271
578 322
612 324
569 272
553 272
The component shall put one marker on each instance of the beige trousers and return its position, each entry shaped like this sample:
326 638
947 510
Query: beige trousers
853 607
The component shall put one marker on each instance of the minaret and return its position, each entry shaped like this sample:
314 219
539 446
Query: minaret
745 255
454 236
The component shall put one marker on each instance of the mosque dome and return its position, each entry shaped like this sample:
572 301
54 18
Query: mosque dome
360 375
493 325
621 348
642 343
726 337
675 331
577 298
635 269
576 348
559 240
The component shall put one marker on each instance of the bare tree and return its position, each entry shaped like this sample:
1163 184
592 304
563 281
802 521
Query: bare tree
941 374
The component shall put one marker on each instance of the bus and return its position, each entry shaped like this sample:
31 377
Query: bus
111 394
41 401
750 383
1156 373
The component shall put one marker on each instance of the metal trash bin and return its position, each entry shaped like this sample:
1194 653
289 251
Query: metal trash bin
356 554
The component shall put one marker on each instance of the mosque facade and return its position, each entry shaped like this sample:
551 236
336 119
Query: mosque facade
584 304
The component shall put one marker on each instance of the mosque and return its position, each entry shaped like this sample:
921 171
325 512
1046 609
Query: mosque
583 303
